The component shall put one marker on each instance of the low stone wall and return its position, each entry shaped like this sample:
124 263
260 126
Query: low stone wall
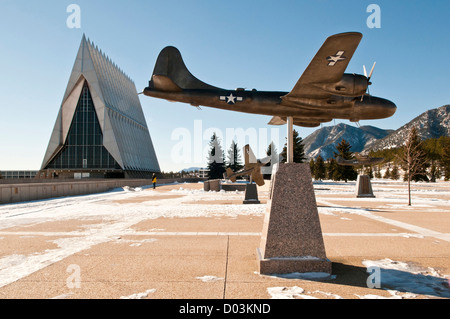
228 187
24 192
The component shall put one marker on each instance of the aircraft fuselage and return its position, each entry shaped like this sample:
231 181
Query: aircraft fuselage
276 104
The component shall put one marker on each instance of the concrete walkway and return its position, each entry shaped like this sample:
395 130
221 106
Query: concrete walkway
146 246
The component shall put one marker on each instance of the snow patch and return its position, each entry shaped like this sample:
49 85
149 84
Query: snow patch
209 278
11 260
140 295
394 295
296 293
132 189
285 292
410 278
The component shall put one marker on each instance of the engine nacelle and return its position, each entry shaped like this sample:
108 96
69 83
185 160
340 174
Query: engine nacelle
350 85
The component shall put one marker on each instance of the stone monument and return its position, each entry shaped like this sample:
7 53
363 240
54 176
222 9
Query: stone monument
364 187
292 239
213 185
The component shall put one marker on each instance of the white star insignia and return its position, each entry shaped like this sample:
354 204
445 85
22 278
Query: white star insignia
336 58
231 99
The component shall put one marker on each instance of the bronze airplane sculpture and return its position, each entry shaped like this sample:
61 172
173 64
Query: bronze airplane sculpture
359 161
252 167
323 92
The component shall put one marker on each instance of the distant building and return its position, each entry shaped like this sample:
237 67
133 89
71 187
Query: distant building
18 174
100 130
203 173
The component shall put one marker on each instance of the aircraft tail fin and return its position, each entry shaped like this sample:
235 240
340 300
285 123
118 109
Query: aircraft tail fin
249 157
171 74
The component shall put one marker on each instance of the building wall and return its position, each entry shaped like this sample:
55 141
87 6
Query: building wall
24 192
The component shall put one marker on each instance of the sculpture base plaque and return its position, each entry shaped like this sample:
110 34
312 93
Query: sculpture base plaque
292 239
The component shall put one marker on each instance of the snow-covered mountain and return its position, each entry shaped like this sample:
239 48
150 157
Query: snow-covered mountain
433 123
324 140
430 124
191 169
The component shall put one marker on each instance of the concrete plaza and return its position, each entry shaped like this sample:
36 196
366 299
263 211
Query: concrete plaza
179 242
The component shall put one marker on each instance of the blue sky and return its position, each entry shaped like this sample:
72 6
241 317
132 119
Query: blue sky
252 44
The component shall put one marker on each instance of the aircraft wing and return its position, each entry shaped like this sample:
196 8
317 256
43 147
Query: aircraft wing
328 65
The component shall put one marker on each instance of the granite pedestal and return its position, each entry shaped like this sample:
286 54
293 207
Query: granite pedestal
212 185
292 239
364 187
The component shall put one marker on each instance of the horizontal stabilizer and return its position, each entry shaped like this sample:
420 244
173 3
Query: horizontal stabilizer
165 84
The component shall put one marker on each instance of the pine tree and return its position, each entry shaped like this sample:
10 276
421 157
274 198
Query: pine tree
311 166
216 159
395 175
387 173
368 171
377 172
445 160
319 169
332 168
274 159
271 149
234 158
345 173
299 152
273 153
434 172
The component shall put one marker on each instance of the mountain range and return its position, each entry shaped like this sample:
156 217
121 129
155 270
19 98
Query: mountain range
430 124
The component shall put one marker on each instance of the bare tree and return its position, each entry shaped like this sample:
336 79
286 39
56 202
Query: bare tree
412 158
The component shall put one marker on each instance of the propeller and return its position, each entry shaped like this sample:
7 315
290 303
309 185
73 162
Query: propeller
368 78
371 73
